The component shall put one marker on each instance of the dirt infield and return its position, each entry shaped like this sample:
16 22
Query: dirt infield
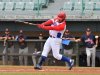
49 69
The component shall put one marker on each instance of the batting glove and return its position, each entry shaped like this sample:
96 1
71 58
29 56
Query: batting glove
40 26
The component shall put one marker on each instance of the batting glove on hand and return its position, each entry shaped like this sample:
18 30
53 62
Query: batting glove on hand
40 26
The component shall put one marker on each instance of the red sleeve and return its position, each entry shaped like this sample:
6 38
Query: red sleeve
58 28
47 23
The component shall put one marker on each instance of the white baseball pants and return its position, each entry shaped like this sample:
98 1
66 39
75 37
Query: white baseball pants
54 45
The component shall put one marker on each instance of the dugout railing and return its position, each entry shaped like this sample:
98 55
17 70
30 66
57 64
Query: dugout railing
39 48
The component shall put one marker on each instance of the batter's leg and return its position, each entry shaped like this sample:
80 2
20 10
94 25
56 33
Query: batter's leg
45 52
56 49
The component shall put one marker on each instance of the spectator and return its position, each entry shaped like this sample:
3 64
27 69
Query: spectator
68 49
91 42
35 54
23 48
8 46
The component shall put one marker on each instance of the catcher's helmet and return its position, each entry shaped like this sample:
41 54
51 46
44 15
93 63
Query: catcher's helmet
62 15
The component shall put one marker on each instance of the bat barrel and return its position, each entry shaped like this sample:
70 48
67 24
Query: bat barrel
28 23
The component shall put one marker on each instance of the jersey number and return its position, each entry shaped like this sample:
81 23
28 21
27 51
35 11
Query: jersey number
58 35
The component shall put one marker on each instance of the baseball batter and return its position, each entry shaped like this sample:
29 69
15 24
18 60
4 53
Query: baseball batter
56 29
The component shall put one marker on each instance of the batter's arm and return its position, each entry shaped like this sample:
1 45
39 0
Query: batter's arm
58 28
47 23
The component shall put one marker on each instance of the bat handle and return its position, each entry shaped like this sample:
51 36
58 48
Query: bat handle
31 23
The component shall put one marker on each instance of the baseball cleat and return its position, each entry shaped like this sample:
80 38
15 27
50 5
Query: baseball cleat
72 64
38 67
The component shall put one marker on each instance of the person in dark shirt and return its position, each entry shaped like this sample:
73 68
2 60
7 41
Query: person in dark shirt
23 49
90 41
68 49
10 47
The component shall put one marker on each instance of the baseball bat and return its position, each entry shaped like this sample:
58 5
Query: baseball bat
32 24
